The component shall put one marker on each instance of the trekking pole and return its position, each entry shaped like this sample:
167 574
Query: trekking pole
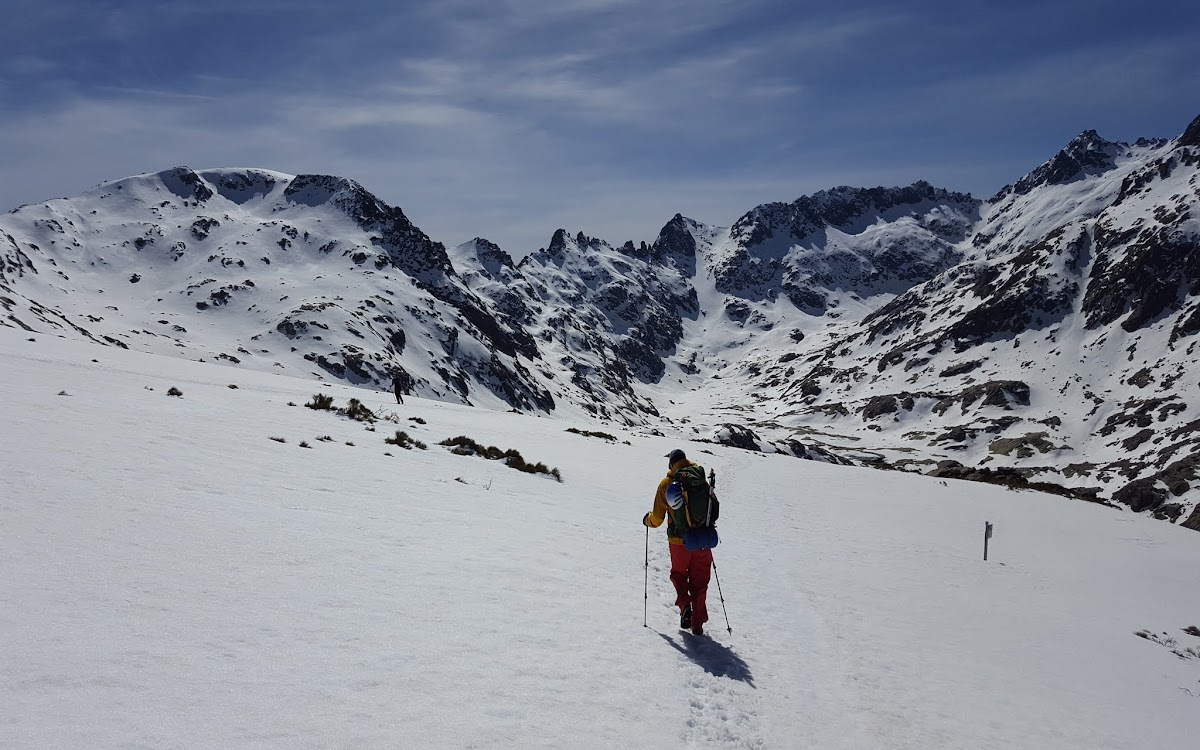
646 585
722 596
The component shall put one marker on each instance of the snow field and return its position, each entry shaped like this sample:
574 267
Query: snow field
172 577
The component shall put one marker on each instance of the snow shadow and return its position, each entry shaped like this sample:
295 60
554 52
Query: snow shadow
715 658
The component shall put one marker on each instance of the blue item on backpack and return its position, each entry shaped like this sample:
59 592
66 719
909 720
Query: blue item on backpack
701 537
674 495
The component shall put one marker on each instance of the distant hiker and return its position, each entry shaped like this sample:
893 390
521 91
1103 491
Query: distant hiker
683 500
399 387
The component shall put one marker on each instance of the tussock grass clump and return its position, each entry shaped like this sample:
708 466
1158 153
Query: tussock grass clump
465 446
278 439
590 433
304 444
174 392
1168 642
321 401
325 438
403 440
357 410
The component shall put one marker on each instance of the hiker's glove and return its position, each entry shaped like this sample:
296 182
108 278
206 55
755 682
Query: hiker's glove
646 520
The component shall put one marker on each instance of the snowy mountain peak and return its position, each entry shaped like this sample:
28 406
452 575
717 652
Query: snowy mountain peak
1047 334
482 256
346 194
1191 136
1086 155
489 252
846 209
676 243
562 244
866 241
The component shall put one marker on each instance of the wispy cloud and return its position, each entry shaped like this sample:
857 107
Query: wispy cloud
509 118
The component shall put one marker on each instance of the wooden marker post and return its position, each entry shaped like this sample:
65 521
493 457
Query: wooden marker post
987 534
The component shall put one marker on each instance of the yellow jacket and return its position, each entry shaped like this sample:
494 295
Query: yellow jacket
661 511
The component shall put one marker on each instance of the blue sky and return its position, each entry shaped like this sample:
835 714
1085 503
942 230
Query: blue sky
510 118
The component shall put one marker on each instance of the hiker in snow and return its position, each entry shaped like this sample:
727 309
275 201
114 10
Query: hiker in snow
690 569
398 387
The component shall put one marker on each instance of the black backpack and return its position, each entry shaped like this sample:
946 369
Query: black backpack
700 504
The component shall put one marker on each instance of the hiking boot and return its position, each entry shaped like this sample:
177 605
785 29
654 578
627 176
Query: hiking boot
685 619
697 629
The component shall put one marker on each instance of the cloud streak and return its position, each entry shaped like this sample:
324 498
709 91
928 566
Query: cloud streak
510 119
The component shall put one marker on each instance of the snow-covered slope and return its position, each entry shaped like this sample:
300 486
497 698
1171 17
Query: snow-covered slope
309 275
1062 347
184 572
1047 335
861 241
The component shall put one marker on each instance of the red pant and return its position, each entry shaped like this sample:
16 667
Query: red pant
690 572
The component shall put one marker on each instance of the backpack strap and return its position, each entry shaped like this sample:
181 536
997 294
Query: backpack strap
687 512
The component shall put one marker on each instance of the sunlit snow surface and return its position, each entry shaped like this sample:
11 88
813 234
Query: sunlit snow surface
170 577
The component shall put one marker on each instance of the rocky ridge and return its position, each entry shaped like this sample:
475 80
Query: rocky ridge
1044 337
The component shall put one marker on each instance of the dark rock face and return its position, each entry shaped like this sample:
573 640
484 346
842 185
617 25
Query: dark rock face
14 262
1193 521
1138 413
1034 288
1147 494
738 436
186 184
675 243
241 187
1004 476
1188 325
558 243
1180 474
623 307
1013 479
1086 154
1191 136
202 226
1133 442
406 247
878 406
515 387
781 248
1022 447
961 369
1031 295
1141 494
1169 512
836 208
492 258
1002 393
1142 275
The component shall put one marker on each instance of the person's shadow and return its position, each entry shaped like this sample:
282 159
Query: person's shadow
715 658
